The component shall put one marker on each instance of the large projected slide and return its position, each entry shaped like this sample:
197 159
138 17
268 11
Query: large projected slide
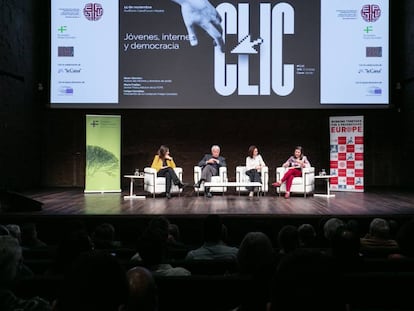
199 54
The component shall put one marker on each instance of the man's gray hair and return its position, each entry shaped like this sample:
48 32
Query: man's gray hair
215 147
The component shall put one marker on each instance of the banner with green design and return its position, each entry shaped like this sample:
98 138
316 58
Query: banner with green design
103 153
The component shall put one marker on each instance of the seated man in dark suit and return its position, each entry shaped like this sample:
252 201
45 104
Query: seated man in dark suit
210 165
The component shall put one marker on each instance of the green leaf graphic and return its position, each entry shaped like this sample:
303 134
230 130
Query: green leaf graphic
101 160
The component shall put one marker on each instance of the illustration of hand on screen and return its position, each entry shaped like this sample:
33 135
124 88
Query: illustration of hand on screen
201 13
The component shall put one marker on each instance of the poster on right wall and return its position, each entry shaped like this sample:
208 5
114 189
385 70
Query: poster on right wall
347 153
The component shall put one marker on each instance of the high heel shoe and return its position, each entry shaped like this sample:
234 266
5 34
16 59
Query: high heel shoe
287 195
198 184
277 184
182 185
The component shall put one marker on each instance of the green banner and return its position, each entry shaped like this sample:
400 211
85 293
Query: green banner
103 153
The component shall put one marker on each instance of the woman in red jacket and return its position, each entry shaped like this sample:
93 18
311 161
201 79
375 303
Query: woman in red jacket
294 166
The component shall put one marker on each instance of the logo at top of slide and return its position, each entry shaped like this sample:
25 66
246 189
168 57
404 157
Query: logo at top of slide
371 12
93 11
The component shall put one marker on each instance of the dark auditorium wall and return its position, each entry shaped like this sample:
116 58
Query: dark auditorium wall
189 134
46 146
20 116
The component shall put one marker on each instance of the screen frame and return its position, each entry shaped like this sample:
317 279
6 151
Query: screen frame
393 84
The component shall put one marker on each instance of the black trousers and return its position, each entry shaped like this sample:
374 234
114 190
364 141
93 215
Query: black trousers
170 177
255 176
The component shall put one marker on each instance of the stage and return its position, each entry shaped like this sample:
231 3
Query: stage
73 201
241 213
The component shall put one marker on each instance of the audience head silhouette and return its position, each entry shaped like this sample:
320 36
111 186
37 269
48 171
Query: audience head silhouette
10 270
405 239
104 236
288 239
213 228
256 259
331 226
345 244
159 224
307 235
29 235
256 254
96 281
152 247
10 257
173 232
15 231
152 244
294 287
73 244
379 228
143 294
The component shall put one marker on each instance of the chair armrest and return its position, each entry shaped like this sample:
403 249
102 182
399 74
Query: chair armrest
280 171
150 170
308 174
239 171
197 174
150 176
179 172
308 170
240 168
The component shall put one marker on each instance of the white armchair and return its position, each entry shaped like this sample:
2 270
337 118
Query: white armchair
242 177
156 185
304 184
221 177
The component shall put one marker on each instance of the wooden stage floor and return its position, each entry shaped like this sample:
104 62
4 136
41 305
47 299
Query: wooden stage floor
241 214
72 201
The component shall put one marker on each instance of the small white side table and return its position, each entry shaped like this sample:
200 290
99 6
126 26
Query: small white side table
131 187
328 190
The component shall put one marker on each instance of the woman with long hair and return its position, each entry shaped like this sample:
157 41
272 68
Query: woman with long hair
254 165
164 164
